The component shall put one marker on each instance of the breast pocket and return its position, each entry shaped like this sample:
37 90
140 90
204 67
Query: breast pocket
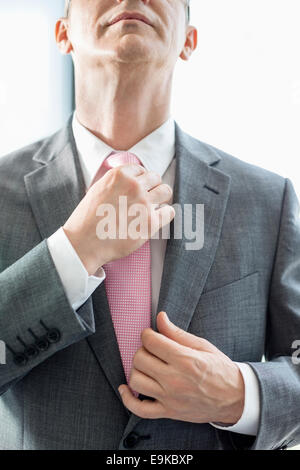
232 317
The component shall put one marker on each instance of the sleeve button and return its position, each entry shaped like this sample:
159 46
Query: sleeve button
32 351
20 359
131 440
42 344
53 335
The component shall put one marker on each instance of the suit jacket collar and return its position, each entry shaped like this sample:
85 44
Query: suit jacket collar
54 145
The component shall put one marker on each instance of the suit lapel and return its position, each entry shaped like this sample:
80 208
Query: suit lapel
54 190
185 272
57 186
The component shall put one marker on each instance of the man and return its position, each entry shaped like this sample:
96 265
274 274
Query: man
87 365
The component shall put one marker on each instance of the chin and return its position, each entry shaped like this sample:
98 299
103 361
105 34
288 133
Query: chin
134 48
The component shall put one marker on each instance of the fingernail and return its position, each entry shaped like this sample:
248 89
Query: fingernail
166 316
121 390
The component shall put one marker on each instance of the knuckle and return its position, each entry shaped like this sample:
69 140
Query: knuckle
193 367
115 176
146 333
203 366
157 177
137 358
167 189
147 339
189 361
199 364
132 382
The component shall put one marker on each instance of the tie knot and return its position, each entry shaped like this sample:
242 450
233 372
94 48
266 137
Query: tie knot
116 159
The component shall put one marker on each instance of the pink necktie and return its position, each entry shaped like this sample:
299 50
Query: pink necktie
128 284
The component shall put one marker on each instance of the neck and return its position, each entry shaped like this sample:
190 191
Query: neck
127 104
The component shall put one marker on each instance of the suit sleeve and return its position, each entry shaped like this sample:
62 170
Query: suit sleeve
36 318
279 376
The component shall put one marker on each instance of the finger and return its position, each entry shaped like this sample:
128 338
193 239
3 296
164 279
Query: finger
161 194
160 346
161 217
149 364
133 170
141 383
145 409
149 180
168 329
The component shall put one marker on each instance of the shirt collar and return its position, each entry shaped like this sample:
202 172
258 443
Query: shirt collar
155 151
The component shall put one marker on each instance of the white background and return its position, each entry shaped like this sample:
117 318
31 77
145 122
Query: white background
35 80
241 90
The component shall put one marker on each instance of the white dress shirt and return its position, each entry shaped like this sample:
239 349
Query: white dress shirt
157 153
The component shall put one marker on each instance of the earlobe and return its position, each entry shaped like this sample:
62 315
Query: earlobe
186 53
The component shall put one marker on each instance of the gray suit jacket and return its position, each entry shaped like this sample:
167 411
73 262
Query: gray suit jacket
241 292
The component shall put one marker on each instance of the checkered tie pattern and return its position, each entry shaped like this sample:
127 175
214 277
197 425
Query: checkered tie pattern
128 284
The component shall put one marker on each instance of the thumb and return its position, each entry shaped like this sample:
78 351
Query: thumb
168 329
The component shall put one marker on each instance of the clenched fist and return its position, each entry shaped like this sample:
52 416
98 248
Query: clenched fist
142 189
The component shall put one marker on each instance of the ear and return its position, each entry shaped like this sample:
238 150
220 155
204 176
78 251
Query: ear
190 43
61 36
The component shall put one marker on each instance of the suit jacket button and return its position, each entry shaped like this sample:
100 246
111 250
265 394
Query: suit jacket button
131 440
31 351
20 359
53 335
42 344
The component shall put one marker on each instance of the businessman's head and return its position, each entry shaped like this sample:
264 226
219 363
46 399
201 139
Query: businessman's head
92 33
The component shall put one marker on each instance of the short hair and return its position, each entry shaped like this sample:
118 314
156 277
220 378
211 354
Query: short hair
67 7
188 9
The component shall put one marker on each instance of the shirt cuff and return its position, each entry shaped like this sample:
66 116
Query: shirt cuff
249 421
78 285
